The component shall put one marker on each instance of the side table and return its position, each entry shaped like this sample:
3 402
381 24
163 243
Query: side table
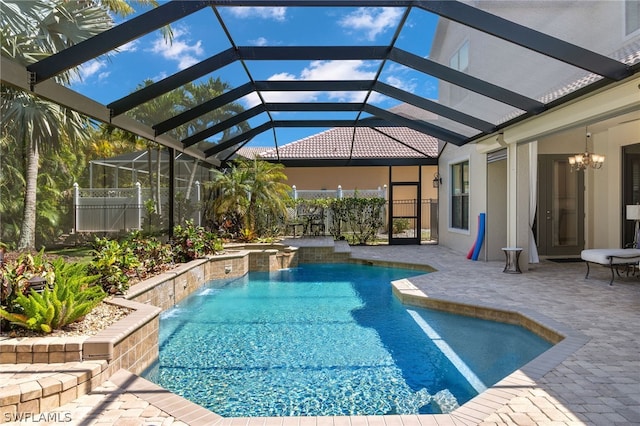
512 255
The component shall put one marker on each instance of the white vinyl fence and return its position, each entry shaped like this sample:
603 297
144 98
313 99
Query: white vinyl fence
310 194
121 209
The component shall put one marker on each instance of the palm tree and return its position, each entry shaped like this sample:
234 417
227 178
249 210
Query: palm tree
176 101
29 121
250 187
31 31
268 192
232 187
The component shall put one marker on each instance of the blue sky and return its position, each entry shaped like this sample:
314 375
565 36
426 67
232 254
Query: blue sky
200 36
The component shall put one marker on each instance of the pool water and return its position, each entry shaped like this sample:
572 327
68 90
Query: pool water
328 340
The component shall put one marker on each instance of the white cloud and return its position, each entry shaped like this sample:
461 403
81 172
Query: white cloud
340 70
372 21
275 13
161 76
319 70
260 41
406 85
103 75
180 49
91 69
337 70
132 46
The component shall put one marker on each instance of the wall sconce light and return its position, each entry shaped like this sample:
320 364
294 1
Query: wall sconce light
437 180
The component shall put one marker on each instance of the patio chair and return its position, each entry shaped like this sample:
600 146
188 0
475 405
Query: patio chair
316 222
293 221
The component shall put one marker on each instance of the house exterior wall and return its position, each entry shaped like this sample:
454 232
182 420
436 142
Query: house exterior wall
528 72
360 177
461 240
559 131
562 131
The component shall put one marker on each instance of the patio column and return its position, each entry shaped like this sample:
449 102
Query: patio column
512 194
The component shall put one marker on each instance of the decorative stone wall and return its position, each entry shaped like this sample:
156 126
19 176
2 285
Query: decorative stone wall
169 288
131 343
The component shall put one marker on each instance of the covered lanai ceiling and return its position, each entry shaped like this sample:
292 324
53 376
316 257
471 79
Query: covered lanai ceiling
383 54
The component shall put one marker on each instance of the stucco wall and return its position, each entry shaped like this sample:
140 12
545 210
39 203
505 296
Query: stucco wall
456 239
496 237
361 177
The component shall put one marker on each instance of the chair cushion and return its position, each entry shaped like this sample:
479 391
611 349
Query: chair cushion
603 256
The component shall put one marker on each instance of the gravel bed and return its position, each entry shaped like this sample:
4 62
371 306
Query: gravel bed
95 321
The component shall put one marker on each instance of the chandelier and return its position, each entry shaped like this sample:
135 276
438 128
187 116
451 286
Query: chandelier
586 159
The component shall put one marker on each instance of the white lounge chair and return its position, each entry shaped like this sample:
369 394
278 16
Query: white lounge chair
611 258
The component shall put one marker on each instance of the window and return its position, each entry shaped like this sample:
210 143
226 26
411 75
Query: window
631 16
460 62
460 59
460 195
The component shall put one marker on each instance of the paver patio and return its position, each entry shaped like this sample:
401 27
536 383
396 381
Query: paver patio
599 384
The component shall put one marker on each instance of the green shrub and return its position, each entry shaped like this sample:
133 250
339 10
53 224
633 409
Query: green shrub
193 242
154 256
72 297
115 263
365 217
400 225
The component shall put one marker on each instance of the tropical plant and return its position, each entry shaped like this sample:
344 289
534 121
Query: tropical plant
361 216
154 256
192 242
72 297
337 218
115 263
400 225
15 276
364 217
229 207
153 220
32 128
247 235
248 189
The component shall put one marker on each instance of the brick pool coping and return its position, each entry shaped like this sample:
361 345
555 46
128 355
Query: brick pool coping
131 344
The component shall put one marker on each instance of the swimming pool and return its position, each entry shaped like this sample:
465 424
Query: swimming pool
329 340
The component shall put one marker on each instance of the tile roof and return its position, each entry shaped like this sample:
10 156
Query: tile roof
379 142
336 143
251 152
